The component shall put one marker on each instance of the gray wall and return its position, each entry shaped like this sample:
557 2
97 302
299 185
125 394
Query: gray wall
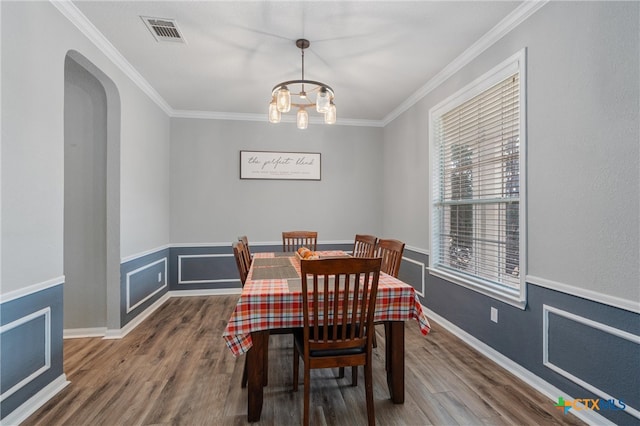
583 150
583 177
85 207
35 40
211 204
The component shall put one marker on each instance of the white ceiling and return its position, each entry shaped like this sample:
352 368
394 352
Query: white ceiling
374 54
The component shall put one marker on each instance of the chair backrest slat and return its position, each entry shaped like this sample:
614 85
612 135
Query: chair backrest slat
245 241
364 246
391 253
339 297
293 240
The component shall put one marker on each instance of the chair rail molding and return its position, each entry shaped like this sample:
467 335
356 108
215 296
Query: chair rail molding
616 302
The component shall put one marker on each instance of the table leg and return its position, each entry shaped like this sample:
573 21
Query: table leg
265 360
394 359
255 368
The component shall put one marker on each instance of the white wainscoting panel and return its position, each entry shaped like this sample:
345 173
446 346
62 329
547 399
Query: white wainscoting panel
46 313
149 296
546 309
195 256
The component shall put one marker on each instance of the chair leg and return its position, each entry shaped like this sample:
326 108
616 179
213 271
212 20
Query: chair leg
368 386
307 386
265 365
296 366
387 357
244 374
354 375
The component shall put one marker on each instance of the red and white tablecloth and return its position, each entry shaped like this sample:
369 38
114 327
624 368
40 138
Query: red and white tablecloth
269 304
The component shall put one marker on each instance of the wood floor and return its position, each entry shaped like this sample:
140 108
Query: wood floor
175 369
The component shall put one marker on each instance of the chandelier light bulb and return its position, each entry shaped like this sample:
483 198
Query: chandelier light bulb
322 101
302 95
274 114
302 119
330 115
283 99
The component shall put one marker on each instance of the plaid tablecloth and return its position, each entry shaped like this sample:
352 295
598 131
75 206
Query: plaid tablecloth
268 304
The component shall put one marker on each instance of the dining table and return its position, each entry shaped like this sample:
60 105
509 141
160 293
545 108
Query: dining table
271 300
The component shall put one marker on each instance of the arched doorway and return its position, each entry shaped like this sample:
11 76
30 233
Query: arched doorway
91 200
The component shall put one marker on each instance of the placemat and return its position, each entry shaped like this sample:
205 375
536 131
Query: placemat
271 261
283 254
274 273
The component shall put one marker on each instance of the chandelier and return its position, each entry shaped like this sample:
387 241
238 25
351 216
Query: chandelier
303 95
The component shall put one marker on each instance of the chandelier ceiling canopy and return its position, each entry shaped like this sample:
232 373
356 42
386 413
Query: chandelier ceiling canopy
303 95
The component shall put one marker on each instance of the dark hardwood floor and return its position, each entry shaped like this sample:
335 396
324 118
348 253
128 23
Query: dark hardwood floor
175 369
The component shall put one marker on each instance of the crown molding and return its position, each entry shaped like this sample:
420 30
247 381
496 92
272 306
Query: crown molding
212 115
77 18
359 122
511 21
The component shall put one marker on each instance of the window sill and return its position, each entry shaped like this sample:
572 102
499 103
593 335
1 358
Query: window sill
510 296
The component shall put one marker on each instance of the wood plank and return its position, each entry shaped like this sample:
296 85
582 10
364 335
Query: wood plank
175 368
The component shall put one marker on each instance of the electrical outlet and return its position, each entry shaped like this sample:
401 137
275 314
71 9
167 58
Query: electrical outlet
159 277
494 314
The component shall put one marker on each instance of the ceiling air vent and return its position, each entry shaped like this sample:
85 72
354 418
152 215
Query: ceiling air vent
163 29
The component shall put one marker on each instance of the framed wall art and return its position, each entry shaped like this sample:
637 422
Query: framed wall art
280 165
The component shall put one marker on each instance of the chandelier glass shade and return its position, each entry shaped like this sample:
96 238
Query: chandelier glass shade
303 95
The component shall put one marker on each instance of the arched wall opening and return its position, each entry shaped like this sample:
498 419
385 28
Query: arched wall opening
91 200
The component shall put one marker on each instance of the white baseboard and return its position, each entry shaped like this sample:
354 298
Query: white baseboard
31 405
77 333
542 386
119 333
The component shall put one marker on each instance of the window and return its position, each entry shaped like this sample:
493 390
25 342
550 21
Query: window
477 196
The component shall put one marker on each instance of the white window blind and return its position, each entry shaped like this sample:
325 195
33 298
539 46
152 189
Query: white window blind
476 194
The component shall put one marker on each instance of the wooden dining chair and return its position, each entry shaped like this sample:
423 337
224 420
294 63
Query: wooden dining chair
338 302
391 253
245 241
242 263
293 240
364 246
